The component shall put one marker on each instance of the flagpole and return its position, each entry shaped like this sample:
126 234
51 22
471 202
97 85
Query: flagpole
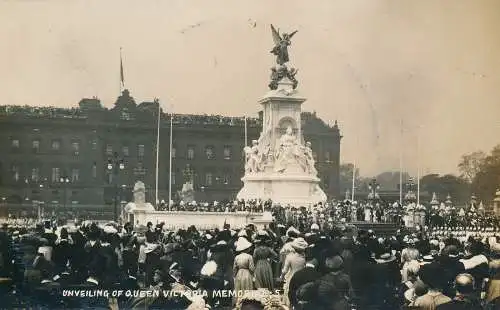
157 151
170 161
122 80
353 180
246 132
418 166
401 164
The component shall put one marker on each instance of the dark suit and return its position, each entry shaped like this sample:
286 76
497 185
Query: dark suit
93 302
301 277
47 294
467 304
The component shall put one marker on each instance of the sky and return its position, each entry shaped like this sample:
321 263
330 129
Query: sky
417 80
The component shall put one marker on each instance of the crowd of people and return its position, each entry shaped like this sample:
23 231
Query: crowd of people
183 119
46 112
315 263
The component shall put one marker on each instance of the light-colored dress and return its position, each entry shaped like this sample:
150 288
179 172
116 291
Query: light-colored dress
293 263
243 269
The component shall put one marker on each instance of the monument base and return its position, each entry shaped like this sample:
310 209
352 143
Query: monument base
294 190
201 220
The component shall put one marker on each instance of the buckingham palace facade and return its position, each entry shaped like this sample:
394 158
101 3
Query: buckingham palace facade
61 156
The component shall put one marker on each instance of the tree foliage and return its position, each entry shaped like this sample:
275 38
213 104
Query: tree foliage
457 187
470 165
487 179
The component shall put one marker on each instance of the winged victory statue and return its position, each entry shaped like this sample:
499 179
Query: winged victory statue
280 50
281 44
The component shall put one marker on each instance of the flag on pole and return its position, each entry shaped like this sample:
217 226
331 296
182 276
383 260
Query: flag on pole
122 80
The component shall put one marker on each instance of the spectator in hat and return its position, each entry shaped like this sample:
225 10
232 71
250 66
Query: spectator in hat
305 275
464 298
62 250
334 289
262 257
450 266
475 262
243 268
294 261
130 251
430 274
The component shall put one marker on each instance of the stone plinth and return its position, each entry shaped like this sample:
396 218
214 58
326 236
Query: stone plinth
201 220
286 189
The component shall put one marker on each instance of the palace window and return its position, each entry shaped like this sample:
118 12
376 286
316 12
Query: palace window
36 146
94 170
125 151
174 150
140 150
209 152
56 145
15 143
227 152
75 175
35 174
139 170
94 144
56 174
208 178
327 157
109 149
15 173
226 179
125 116
75 146
190 152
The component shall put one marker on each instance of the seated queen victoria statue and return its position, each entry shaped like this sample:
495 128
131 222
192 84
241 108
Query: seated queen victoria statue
289 152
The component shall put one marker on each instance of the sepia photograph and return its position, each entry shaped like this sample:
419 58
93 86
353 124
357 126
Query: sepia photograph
250 155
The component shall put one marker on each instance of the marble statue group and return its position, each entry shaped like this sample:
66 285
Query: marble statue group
287 152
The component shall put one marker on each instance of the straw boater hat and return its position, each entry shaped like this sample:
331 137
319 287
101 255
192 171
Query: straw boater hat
242 244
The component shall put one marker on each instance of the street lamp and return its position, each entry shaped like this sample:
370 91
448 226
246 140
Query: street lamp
115 165
64 181
373 186
410 194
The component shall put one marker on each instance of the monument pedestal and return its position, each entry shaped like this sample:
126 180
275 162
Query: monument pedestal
285 189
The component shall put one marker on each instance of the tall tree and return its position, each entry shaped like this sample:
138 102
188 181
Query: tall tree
470 165
487 180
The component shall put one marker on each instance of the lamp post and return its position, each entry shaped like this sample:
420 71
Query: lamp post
64 181
410 194
115 165
373 186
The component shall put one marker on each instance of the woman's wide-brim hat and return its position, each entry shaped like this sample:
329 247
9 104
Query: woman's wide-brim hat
242 244
150 247
299 244
385 258
219 246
